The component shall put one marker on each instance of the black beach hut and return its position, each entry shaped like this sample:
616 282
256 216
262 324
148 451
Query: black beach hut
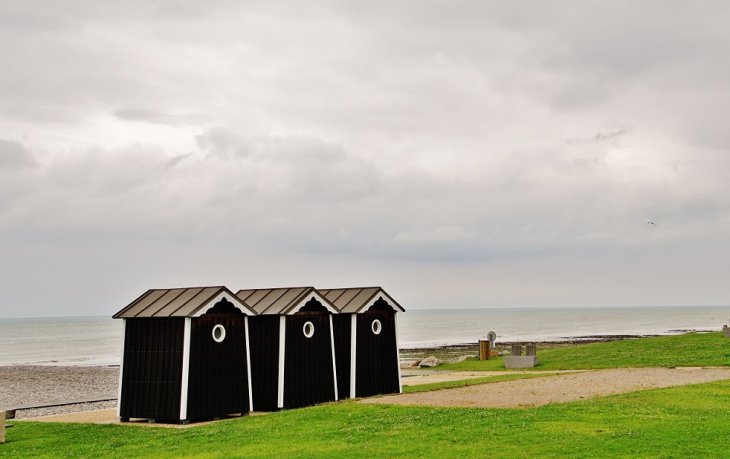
366 341
292 351
185 355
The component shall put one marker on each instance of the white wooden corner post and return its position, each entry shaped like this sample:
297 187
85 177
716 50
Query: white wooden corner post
334 362
282 343
397 353
248 365
121 369
185 371
353 354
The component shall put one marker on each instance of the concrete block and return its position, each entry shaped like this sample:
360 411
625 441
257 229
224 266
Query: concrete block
511 362
726 331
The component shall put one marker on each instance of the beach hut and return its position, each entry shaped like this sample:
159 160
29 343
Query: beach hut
366 341
292 349
185 355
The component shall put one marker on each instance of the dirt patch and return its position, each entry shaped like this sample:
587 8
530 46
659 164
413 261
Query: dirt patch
558 388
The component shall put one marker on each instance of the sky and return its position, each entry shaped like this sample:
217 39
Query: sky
459 154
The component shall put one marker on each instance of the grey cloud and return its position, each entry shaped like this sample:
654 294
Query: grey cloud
15 154
152 116
306 167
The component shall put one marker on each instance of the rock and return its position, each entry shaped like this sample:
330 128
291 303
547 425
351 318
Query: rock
464 357
430 361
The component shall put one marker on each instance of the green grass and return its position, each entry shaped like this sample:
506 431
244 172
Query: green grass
696 349
466 382
688 421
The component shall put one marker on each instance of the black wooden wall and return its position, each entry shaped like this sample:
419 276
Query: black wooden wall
342 324
308 369
264 342
152 368
218 381
376 359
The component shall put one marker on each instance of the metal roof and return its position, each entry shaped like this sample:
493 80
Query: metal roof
358 299
179 302
267 301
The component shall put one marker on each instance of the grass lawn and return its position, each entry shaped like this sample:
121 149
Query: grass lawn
696 349
689 421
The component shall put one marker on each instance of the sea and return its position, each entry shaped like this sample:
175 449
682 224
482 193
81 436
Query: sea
98 340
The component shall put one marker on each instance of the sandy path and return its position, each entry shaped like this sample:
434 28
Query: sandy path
461 375
558 388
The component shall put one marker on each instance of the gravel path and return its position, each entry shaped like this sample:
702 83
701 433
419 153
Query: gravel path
558 388
461 375
26 384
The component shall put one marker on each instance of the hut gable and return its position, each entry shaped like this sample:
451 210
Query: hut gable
360 299
282 301
181 302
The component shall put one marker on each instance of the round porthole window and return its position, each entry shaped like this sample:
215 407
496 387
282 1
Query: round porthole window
308 329
376 326
219 333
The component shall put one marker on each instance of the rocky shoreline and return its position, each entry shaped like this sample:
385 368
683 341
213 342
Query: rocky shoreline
454 352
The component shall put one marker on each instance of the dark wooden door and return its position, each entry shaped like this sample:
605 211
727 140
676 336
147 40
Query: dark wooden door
376 359
152 369
308 367
218 382
342 333
264 362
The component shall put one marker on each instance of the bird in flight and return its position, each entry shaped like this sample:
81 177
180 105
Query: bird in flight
651 223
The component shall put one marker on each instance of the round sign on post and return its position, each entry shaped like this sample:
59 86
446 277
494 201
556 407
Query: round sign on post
492 337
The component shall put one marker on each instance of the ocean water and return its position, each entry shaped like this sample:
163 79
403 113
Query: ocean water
98 340
429 328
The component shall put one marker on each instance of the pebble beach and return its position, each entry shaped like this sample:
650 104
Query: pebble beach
26 384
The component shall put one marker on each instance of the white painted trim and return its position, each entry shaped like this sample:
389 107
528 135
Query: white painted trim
387 299
223 333
248 366
185 370
334 362
311 328
236 302
376 326
397 354
282 345
353 354
313 296
121 369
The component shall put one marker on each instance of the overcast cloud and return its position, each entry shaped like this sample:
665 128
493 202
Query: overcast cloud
460 154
